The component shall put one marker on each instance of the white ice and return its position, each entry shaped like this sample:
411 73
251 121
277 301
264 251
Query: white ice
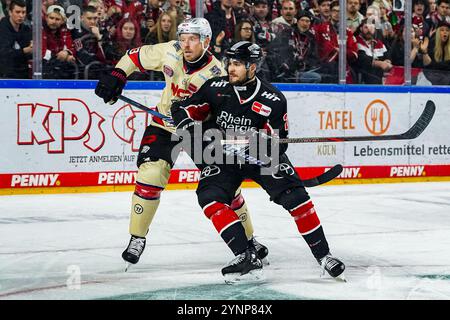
393 238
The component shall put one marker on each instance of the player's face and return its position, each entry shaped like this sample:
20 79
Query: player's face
191 46
237 73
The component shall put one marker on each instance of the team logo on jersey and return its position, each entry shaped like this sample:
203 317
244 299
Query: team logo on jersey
261 109
215 70
177 46
209 171
168 70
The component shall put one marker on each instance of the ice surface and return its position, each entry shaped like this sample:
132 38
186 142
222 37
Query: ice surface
394 239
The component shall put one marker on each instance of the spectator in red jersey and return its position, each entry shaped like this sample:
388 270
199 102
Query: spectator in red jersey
58 54
132 9
328 48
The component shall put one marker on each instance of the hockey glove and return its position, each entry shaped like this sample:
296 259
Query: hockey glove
110 85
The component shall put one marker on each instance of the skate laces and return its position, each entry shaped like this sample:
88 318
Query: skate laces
136 245
329 262
237 260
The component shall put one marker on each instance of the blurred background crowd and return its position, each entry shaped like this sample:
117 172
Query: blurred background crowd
82 38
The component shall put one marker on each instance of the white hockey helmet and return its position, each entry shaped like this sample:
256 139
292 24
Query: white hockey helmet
198 26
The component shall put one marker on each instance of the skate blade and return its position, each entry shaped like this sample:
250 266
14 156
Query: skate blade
127 266
341 278
253 276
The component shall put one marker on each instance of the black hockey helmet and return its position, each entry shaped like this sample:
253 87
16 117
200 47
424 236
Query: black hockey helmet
245 51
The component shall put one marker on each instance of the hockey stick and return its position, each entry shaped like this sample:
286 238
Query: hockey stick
146 109
324 177
417 128
309 183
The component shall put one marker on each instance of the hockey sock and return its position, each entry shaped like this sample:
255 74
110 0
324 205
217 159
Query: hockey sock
240 207
145 202
228 225
308 224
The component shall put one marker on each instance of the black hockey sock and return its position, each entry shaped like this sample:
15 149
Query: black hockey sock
235 238
317 243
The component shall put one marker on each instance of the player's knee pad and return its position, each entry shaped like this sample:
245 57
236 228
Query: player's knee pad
220 215
151 179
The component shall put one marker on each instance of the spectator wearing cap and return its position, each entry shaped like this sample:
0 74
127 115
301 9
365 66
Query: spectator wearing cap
264 34
263 30
354 17
58 54
305 57
16 45
420 10
328 48
373 57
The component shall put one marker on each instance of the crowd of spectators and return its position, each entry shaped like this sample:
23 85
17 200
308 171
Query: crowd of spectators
299 38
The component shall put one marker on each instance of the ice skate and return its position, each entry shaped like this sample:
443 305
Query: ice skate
333 266
261 250
246 267
133 252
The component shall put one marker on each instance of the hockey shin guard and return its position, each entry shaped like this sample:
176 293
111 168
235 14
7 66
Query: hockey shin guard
240 207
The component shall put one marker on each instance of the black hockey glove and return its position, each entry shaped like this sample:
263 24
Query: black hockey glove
110 85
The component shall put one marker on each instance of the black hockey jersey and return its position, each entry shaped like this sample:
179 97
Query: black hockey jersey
219 101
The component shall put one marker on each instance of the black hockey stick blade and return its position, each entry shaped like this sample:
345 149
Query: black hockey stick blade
324 177
421 123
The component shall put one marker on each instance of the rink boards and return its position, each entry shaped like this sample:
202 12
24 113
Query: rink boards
60 137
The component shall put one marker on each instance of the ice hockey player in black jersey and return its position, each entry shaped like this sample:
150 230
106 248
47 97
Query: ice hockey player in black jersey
244 103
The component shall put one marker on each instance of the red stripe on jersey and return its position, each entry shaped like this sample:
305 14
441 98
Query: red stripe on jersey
237 202
305 217
147 192
134 56
198 112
